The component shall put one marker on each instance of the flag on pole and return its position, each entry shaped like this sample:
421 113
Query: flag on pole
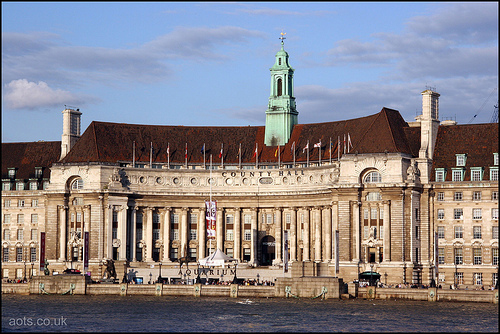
344 143
349 144
203 148
293 152
338 149
186 154
210 216
318 144
276 152
306 147
255 152
221 150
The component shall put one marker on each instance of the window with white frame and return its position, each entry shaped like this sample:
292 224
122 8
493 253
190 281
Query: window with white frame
459 277
372 177
459 232
33 185
32 254
34 218
373 196
440 232
476 232
458 213
20 186
460 158
21 203
494 256
247 227
478 278
493 173
476 195
440 196
6 234
494 195
20 234
459 256
229 227
495 159
5 257
476 174
269 218
174 222
34 203
6 185
477 213
458 196
494 232
6 218
19 254
442 277
457 175
366 232
381 236
440 174
440 255
34 234
77 184
440 214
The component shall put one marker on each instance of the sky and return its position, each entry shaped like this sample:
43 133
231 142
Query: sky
207 63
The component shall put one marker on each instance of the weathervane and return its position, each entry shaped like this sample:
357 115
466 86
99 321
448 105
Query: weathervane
282 37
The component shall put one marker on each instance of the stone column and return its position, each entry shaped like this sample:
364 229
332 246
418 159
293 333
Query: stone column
356 222
122 233
327 214
387 231
166 234
133 232
62 236
277 235
293 234
183 233
237 234
335 225
219 226
306 239
317 234
149 234
254 239
202 233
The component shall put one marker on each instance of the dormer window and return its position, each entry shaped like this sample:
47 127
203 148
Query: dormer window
493 173
12 173
457 174
476 174
495 159
461 159
20 186
440 174
38 172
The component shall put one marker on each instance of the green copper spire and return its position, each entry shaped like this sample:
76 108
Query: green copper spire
281 113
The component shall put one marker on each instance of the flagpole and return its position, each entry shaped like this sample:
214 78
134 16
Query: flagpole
293 148
133 155
222 155
307 165
239 158
168 155
210 214
256 155
320 152
279 157
186 155
151 156
204 150
338 149
330 150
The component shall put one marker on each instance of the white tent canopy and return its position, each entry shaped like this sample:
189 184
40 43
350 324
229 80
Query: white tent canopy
217 258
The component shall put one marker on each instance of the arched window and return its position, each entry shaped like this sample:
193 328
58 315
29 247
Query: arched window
77 184
280 88
372 177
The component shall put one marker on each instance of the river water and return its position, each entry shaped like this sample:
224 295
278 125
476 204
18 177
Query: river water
41 313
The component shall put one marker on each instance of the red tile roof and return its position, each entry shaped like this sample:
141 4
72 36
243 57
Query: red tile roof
113 142
477 141
26 156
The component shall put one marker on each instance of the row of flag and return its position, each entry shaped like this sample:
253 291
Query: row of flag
346 147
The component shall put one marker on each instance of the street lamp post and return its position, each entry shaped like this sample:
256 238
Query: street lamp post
371 273
25 266
31 273
159 276
456 276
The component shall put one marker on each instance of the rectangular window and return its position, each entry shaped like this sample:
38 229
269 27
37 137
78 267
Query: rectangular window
460 159
459 232
440 214
440 196
34 203
459 277
456 175
476 195
247 235
34 218
20 203
192 253
174 221
459 256
229 227
477 213
381 236
458 196
494 256
494 213
477 232
246 254
494 232
495 159
440 255
34 234
269 218
6 218
494 195
440 232
6 203
417 232
33 254
373 213
6 185
193 234
193 226
19 254
20 234
494 278
478 256
20 186
478 278
366 214
174 253
33 185
493 174
6 234
440 174
5 256
458 214
476 174
20 218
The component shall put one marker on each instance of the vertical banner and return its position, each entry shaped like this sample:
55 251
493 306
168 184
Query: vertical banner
210 217
285 251
42 252
336 251
85 251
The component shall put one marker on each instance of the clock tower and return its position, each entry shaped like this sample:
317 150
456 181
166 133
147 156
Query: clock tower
281 113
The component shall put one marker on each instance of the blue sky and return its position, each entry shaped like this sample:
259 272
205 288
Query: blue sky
207 63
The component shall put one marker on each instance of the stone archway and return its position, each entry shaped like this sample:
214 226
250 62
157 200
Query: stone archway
267 246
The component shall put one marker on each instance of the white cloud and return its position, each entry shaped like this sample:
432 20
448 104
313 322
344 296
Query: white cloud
23 94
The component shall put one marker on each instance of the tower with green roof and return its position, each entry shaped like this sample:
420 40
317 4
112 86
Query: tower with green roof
281 113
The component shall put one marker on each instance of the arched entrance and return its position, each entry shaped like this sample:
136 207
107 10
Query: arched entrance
267 250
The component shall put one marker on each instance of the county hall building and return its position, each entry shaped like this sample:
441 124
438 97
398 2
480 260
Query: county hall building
412 200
